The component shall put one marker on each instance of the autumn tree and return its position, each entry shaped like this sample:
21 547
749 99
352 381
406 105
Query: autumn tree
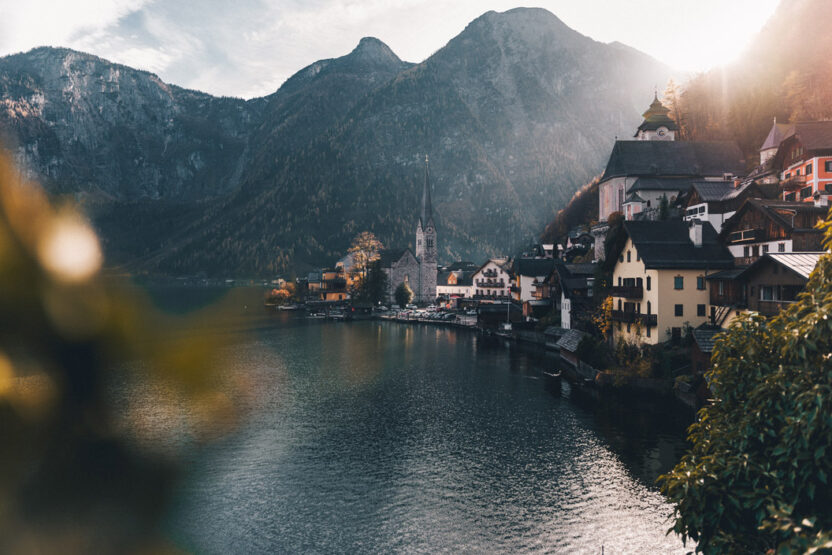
757 477
365 248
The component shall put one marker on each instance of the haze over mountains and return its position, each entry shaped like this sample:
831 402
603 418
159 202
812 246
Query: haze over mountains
516 113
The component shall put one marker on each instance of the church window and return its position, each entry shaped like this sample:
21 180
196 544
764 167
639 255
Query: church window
430 243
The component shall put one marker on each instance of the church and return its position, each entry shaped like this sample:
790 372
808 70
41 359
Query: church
418 270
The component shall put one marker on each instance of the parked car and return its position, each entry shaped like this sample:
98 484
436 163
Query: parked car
471 313
410 307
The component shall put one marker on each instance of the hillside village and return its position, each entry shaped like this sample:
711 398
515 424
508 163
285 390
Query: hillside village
686 239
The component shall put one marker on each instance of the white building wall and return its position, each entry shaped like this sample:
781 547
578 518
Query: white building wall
565 312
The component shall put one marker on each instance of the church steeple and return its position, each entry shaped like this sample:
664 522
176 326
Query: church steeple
427 208
657 124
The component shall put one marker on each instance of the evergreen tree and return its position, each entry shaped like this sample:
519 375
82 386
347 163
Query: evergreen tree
403 295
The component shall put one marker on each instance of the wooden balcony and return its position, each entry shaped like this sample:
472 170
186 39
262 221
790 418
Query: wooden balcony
794 183
626 317
627 291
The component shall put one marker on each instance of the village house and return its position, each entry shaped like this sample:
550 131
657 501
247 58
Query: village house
528 273
763 226
327 285
659 281
775 280
492 281
716 201
453 285
804 160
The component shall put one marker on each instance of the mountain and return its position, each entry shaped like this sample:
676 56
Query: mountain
784 73
515 112
86 126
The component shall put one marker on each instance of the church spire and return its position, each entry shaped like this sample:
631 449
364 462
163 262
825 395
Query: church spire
427 208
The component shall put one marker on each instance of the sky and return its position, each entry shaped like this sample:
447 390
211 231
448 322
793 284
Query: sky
248 48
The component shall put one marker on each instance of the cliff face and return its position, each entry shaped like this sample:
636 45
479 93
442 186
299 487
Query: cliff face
515 112
84 125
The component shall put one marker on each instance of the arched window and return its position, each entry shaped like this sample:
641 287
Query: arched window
648 283
628 256
649 309
619 304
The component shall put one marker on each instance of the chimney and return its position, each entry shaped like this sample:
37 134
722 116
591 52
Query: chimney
695 230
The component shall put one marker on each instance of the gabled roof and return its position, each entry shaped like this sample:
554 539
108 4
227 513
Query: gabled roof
674 159
660 184
633 197
800 263
775 135
667 244
462 265
533 266
705 338
716 191
463 278
388 257
779 211
814 135
570 340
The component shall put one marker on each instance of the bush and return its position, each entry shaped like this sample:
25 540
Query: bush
757 477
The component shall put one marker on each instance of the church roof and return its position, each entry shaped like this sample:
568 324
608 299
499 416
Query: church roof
674 159
427 206
656 116
775 135
388 257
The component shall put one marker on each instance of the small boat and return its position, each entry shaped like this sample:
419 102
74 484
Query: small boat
554 375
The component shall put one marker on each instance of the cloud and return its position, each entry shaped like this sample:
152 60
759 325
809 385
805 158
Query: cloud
249 47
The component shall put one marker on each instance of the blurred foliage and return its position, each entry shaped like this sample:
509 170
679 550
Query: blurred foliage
757 478
80 473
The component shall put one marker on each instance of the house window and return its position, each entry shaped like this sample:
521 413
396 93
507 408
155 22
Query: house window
765 249
721 287
746 252
649 308
788 175
781 247
756 250
678 310
648 283
700 310
809 169
766 293
679 282
619 305
828 165
700 283
639 283
790 197
619 281
628 256
648 331
797 171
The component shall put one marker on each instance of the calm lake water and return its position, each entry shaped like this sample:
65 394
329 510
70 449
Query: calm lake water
385 437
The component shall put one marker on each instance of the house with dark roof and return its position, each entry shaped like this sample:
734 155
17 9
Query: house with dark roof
774 281
716 201
762 226
804 160
528 273
453 285
659 280
492 281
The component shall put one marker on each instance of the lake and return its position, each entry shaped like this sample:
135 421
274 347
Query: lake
386 437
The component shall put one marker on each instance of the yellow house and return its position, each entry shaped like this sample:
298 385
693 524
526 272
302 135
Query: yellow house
660 279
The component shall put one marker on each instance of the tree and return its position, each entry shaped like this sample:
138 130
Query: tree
403 294
364 249
373 287
757 476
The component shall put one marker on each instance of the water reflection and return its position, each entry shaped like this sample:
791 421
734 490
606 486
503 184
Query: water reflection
372 437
